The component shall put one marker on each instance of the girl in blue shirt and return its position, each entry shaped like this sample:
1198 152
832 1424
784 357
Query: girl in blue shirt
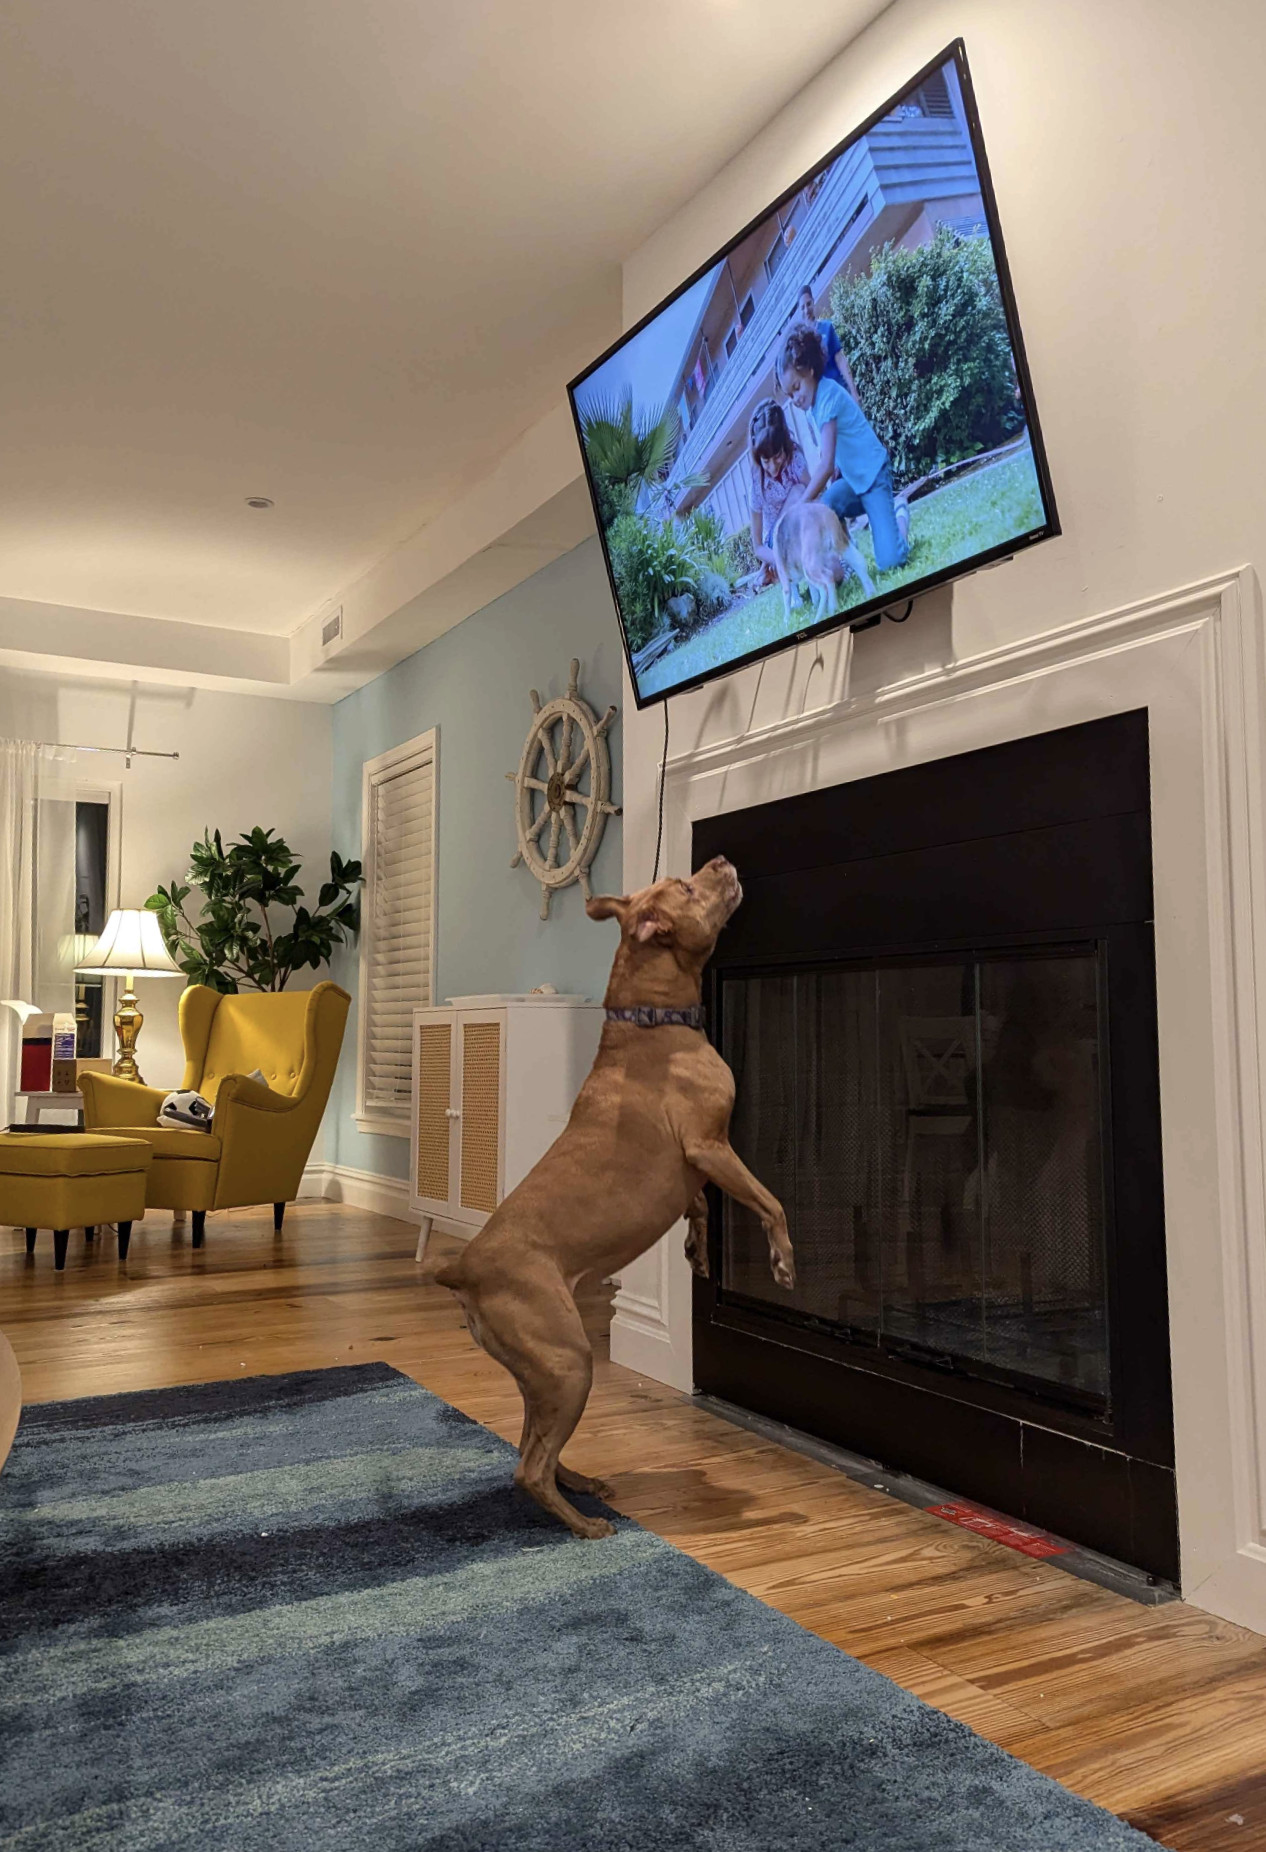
849 449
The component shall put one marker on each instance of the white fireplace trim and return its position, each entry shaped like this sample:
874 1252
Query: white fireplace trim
1194 658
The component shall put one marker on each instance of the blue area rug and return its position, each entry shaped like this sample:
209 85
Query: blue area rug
311 1612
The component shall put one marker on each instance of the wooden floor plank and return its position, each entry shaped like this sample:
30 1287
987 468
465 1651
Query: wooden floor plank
1157 1713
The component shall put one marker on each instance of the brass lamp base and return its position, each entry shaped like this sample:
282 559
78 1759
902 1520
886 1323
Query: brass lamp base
127 1026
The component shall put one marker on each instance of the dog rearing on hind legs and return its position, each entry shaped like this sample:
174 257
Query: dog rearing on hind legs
650 1127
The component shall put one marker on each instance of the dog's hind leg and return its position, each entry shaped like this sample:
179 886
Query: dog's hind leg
570 1481
534 1330
555 1397
785 582
581 1482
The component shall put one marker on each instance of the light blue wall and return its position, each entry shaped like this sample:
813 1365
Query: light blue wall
472 684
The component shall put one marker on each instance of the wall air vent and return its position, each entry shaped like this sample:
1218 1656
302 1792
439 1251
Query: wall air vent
332 628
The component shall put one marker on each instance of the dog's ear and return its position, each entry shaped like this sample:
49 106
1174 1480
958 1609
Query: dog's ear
652 925
607 907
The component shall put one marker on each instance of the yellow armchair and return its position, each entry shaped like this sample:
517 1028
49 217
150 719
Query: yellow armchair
262 1135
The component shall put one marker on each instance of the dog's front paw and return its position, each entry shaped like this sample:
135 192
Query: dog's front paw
784 1271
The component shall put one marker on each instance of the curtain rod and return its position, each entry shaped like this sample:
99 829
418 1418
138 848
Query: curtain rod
133 752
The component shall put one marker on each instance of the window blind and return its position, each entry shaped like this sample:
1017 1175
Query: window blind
400 803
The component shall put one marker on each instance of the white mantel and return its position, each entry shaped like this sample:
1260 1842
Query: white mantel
1194 659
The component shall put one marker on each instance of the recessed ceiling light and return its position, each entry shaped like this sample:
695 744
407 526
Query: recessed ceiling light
259 501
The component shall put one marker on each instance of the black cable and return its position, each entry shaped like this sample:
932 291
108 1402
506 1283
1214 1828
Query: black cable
904 615
663 770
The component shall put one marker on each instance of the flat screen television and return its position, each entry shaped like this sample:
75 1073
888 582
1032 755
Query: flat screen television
831 416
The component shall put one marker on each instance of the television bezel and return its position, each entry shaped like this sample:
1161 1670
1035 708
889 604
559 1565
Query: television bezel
863 615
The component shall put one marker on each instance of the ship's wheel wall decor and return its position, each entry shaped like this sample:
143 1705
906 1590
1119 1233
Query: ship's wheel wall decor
562 790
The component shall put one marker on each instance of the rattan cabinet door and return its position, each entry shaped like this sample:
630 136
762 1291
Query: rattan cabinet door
433 1118
482 1068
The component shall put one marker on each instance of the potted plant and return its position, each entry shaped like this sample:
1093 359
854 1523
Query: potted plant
251 928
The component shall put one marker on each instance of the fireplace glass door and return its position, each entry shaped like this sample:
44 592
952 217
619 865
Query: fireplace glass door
935 1131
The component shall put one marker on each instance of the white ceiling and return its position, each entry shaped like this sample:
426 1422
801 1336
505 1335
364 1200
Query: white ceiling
339 255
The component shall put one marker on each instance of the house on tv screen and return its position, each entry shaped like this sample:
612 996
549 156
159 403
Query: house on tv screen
913 172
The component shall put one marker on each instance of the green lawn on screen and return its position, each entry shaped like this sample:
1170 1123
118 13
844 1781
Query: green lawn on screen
979 511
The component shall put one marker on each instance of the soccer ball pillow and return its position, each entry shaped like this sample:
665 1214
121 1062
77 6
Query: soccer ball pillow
190 1109
187 1109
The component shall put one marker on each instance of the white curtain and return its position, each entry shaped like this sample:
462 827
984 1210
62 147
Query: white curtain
37 893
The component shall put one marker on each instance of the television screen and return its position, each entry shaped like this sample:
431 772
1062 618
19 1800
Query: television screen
833 415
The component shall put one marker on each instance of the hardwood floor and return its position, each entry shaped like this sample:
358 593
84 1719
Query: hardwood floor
1157 1713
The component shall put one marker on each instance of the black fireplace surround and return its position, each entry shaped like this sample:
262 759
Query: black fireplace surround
939 1002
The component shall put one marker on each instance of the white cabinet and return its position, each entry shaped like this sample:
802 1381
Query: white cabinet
493 1083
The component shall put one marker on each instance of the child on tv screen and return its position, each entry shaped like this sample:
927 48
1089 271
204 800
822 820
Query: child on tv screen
850 451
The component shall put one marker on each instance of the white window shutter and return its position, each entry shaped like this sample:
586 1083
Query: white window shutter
397 950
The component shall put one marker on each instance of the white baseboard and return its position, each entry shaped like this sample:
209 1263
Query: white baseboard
314 1181
647 1351
360 1189
366 1189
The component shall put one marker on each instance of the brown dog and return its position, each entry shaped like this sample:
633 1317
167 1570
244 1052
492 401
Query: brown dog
809 543
649 1128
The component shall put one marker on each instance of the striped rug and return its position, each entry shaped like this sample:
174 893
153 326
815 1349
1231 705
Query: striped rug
311 1612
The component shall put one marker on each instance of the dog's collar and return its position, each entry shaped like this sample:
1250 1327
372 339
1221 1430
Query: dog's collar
648 1016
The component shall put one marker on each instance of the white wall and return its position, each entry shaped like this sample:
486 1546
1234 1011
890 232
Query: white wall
243 760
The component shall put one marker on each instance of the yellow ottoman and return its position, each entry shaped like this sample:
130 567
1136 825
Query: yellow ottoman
71 1180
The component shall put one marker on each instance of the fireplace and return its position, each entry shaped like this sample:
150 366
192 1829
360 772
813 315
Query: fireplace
938 1000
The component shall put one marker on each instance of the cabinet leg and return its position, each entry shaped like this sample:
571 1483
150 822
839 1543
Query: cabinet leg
424 1235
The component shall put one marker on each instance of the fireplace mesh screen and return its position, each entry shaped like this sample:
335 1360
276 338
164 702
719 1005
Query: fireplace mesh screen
934 1131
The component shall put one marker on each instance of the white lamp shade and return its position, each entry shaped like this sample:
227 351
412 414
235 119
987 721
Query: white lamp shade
132 941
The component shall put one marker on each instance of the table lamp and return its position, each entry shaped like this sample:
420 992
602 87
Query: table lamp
132 943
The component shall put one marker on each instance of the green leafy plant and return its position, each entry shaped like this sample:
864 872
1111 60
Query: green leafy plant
704 537
740 555
925 333
627 453
240 935
704 533
651 564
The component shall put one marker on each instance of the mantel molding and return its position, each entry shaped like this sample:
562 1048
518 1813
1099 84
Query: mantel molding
1194 658
1186 609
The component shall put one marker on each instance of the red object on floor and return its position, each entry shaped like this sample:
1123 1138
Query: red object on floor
999 1530
37 1065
